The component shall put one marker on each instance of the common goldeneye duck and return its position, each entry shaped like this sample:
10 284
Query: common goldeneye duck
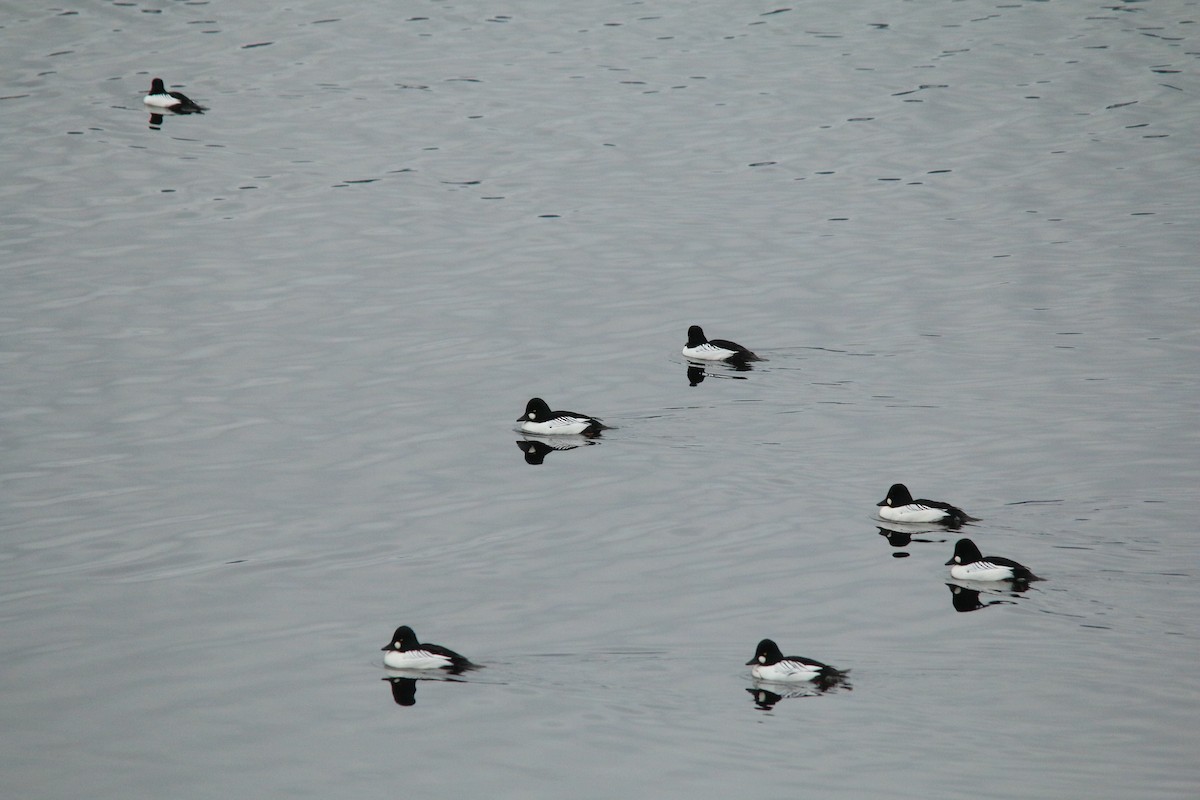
899 506
178 102
538 418
770 664
702 349
968 564
405 652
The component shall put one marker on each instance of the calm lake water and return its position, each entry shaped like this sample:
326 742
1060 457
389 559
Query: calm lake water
262 366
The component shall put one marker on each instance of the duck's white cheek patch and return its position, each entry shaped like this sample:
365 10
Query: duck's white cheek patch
762 659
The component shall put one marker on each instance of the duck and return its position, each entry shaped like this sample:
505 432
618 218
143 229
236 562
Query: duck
770 664
700 348
406 652
899 506
539 419
178 102
968 564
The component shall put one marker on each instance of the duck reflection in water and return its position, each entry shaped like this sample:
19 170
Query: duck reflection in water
766 695
404 688
536 450
696 374
404 691
965 597
901 535
156 119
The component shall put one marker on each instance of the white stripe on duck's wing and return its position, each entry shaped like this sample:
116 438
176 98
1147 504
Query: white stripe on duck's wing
913 512
567 424
719 350
160 100
416 659
738 351
982 571
557 427
786 670
708 352
805 667
953 513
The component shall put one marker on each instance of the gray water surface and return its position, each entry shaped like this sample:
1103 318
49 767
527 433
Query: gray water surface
261 368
